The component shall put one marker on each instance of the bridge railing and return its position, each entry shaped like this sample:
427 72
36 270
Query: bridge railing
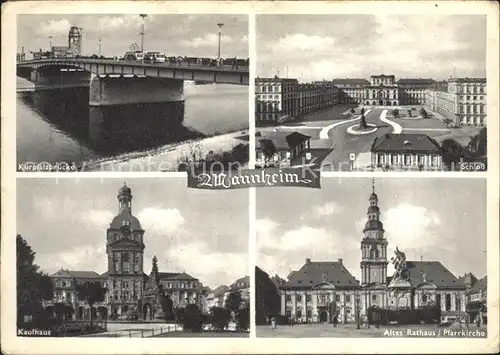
168 64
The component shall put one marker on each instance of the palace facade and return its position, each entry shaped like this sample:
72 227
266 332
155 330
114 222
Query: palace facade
321 289
462 100
129 291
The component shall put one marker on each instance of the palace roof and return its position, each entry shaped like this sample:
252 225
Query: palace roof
432 272
164 276
313 273
405 142
354 81
418 81
76 274
282 140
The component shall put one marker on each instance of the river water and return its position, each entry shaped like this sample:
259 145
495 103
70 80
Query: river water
59 126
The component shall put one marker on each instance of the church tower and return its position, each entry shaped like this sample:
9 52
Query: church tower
125 251
373 245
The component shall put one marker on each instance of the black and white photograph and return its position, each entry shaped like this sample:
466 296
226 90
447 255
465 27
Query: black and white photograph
144 92
375 92
140 258
384 257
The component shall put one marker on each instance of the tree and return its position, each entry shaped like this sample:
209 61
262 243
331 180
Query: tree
63 310
424 113
168 306
220 317
269 150
192 319
451 151
267 297
243 317
478 143
409 113
33 287
234 301
395 112
91 293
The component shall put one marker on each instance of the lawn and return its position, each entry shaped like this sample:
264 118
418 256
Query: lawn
432 123
179 334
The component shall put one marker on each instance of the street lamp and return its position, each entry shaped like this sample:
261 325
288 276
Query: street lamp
50 46
220 35
142 37
99 47
357 310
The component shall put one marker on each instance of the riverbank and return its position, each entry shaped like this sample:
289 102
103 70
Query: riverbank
169 157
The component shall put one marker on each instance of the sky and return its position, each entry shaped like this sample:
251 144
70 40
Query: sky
316 47
440 219
201 232
191 35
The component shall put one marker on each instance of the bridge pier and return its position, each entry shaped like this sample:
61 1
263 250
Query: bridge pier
124 90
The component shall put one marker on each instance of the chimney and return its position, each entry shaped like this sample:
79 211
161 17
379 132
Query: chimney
341 261
308 261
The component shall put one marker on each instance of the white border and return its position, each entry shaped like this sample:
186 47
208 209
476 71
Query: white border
11 344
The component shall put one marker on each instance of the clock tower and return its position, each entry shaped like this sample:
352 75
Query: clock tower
373 246
125 252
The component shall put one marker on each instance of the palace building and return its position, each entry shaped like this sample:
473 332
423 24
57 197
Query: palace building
321 289
129 291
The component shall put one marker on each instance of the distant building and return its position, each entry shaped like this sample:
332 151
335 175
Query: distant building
75 39
477 305
463 101
406 151
216 298
320 290
280 148
275 99
242 285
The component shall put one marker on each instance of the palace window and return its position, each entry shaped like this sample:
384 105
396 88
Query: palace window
309 313
337 298
288 298
424 298
348 298
448 302
308 298
299 313
374 297
299 298
288 313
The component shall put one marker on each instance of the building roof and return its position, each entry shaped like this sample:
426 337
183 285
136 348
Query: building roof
315 272
175 276
417 81
77 274
220 290
479 285
382 76
241 283
125 215
348 81
467 80
275 80
408 142
282 140
435 273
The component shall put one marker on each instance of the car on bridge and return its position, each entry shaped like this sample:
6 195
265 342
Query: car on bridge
137 56
154 57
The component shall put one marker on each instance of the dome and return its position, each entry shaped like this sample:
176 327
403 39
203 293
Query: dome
124 190
373 224
125 215
373 196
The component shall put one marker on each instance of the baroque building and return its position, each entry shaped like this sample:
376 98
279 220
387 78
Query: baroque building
130 293
321 289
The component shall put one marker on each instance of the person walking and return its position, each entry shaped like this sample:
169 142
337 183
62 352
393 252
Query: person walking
273 323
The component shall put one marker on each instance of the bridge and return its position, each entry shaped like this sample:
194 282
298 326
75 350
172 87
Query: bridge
115 82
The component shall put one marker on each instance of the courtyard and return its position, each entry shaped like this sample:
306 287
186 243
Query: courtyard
350 331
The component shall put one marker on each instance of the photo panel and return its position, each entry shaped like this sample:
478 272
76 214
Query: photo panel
352 92
383 257
144 258
131 92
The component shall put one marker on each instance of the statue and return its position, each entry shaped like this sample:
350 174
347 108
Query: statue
399 263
